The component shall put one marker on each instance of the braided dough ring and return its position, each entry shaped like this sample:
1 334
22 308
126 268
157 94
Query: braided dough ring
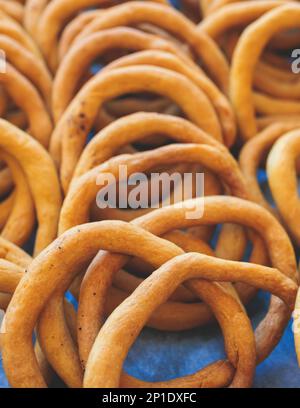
282 174
45 190
251 43
153 292
43 279
17 86
80 116
172 22
52 21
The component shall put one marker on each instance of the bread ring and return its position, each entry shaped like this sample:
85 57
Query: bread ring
17 86
75 210
235 15
284 17
46 194
171 21
73 29
32 13
27 64
133 128
211 293
255 151
266 121
99 373
169 218
84 190
165 60
82 54
10 276
79 117
281 169
14 254
5 209
13 9
43 279
52 20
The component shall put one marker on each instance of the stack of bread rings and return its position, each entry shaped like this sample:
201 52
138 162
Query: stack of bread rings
92 86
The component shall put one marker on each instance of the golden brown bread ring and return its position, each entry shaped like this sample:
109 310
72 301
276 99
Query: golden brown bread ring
13 9
255 151
267 105
128 283
52 21
252 42
10 276
110 235
84 190
45 190
133 128
82 193
215 375
80 115
172 22
79 22
17 118
235 15
73 28
212 186
266 121
215 5
21 220
132 315
28 65
282 175
17 86
165 60
217 210
80 57
15 31
5 209
32 12
132 104
42 280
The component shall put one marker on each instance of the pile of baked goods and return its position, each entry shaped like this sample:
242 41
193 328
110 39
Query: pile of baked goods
91 86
